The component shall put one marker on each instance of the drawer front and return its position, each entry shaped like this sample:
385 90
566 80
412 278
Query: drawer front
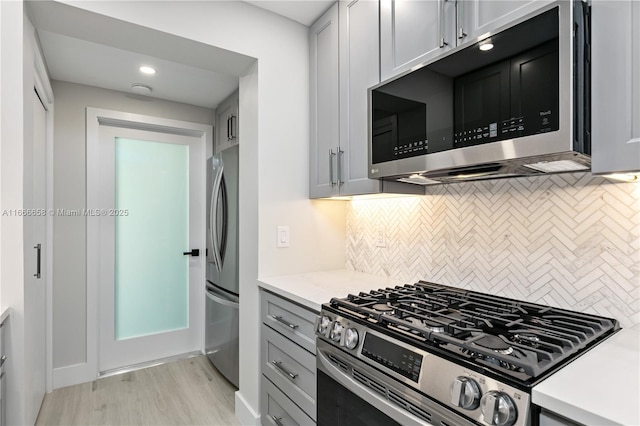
291 368
278 410
293 321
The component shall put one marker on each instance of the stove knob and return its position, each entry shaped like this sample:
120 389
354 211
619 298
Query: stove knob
465 393
351 338
498 409
336 332
323 325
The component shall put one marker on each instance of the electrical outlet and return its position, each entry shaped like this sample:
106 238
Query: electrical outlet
282 236
381 238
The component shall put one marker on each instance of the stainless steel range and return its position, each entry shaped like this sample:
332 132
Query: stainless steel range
429 354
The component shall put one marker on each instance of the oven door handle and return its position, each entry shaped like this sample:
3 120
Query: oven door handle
367 395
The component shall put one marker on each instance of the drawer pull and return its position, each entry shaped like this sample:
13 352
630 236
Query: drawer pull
276 420
283 321
279 366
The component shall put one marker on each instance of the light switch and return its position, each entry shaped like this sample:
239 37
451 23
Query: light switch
283 236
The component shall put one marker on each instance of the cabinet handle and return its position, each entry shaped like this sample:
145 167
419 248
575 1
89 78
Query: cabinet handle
443 43
228 128
38 248
232 125
276 420
339 161
285 322
278 365
459 17
331 155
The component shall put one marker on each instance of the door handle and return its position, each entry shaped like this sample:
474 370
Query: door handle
194 253
38 248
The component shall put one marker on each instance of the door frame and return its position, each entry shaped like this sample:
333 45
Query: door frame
97 117
43 88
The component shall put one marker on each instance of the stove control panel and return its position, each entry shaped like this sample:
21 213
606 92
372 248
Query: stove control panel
472 394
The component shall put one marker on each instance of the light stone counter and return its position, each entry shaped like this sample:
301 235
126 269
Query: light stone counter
315 288
4 314
602 387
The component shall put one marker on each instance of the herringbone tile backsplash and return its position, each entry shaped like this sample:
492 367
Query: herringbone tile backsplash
570 240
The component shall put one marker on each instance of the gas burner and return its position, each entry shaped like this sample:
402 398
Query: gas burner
494 343
426 325
530 340
383 308
433 326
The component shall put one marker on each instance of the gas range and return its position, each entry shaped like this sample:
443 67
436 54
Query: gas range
442 355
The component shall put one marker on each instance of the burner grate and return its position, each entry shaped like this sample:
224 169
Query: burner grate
456 320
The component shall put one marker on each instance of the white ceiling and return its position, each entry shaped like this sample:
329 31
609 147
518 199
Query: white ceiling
304 11
86 48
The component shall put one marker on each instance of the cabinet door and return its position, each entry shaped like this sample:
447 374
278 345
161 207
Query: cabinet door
323 51
227 123
359 70
615 99
477 17
412 32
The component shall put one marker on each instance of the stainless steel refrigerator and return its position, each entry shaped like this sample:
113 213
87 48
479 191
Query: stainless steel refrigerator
222 288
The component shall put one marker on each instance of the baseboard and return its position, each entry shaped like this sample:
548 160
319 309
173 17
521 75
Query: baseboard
245 413
73 375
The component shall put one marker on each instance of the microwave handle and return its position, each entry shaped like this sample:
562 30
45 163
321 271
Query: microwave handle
459 18
443 43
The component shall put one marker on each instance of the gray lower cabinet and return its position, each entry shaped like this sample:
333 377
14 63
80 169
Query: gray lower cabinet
288 362
615 98
3 358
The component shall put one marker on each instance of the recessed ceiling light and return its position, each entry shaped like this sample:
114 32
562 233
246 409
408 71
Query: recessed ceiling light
141 89
147 70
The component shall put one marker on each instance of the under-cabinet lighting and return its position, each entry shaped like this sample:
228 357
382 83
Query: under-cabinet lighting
624 177
487 45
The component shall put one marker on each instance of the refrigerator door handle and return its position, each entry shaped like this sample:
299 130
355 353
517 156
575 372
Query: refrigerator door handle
215 243
221 301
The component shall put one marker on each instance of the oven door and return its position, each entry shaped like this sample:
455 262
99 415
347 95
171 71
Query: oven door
351 393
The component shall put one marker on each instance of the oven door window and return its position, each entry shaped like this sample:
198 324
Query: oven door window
337 406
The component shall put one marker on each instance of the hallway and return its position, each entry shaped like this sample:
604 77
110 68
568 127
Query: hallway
185 392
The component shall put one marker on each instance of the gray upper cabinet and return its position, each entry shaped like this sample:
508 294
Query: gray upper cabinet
413 32
615 98
359 70
477 17
227 123
345 62
416 31
323 45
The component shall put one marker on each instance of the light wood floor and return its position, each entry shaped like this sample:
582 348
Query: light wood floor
184 392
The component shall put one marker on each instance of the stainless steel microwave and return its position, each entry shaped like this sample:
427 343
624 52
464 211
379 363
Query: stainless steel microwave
516 102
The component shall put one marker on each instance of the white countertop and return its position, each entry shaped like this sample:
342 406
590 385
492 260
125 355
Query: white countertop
315 288
4 313
602 387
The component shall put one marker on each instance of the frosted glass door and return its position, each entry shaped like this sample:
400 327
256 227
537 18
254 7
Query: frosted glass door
152 212
151 232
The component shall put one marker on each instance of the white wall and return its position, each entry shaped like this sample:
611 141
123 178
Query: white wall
17 80
274 134
69 232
